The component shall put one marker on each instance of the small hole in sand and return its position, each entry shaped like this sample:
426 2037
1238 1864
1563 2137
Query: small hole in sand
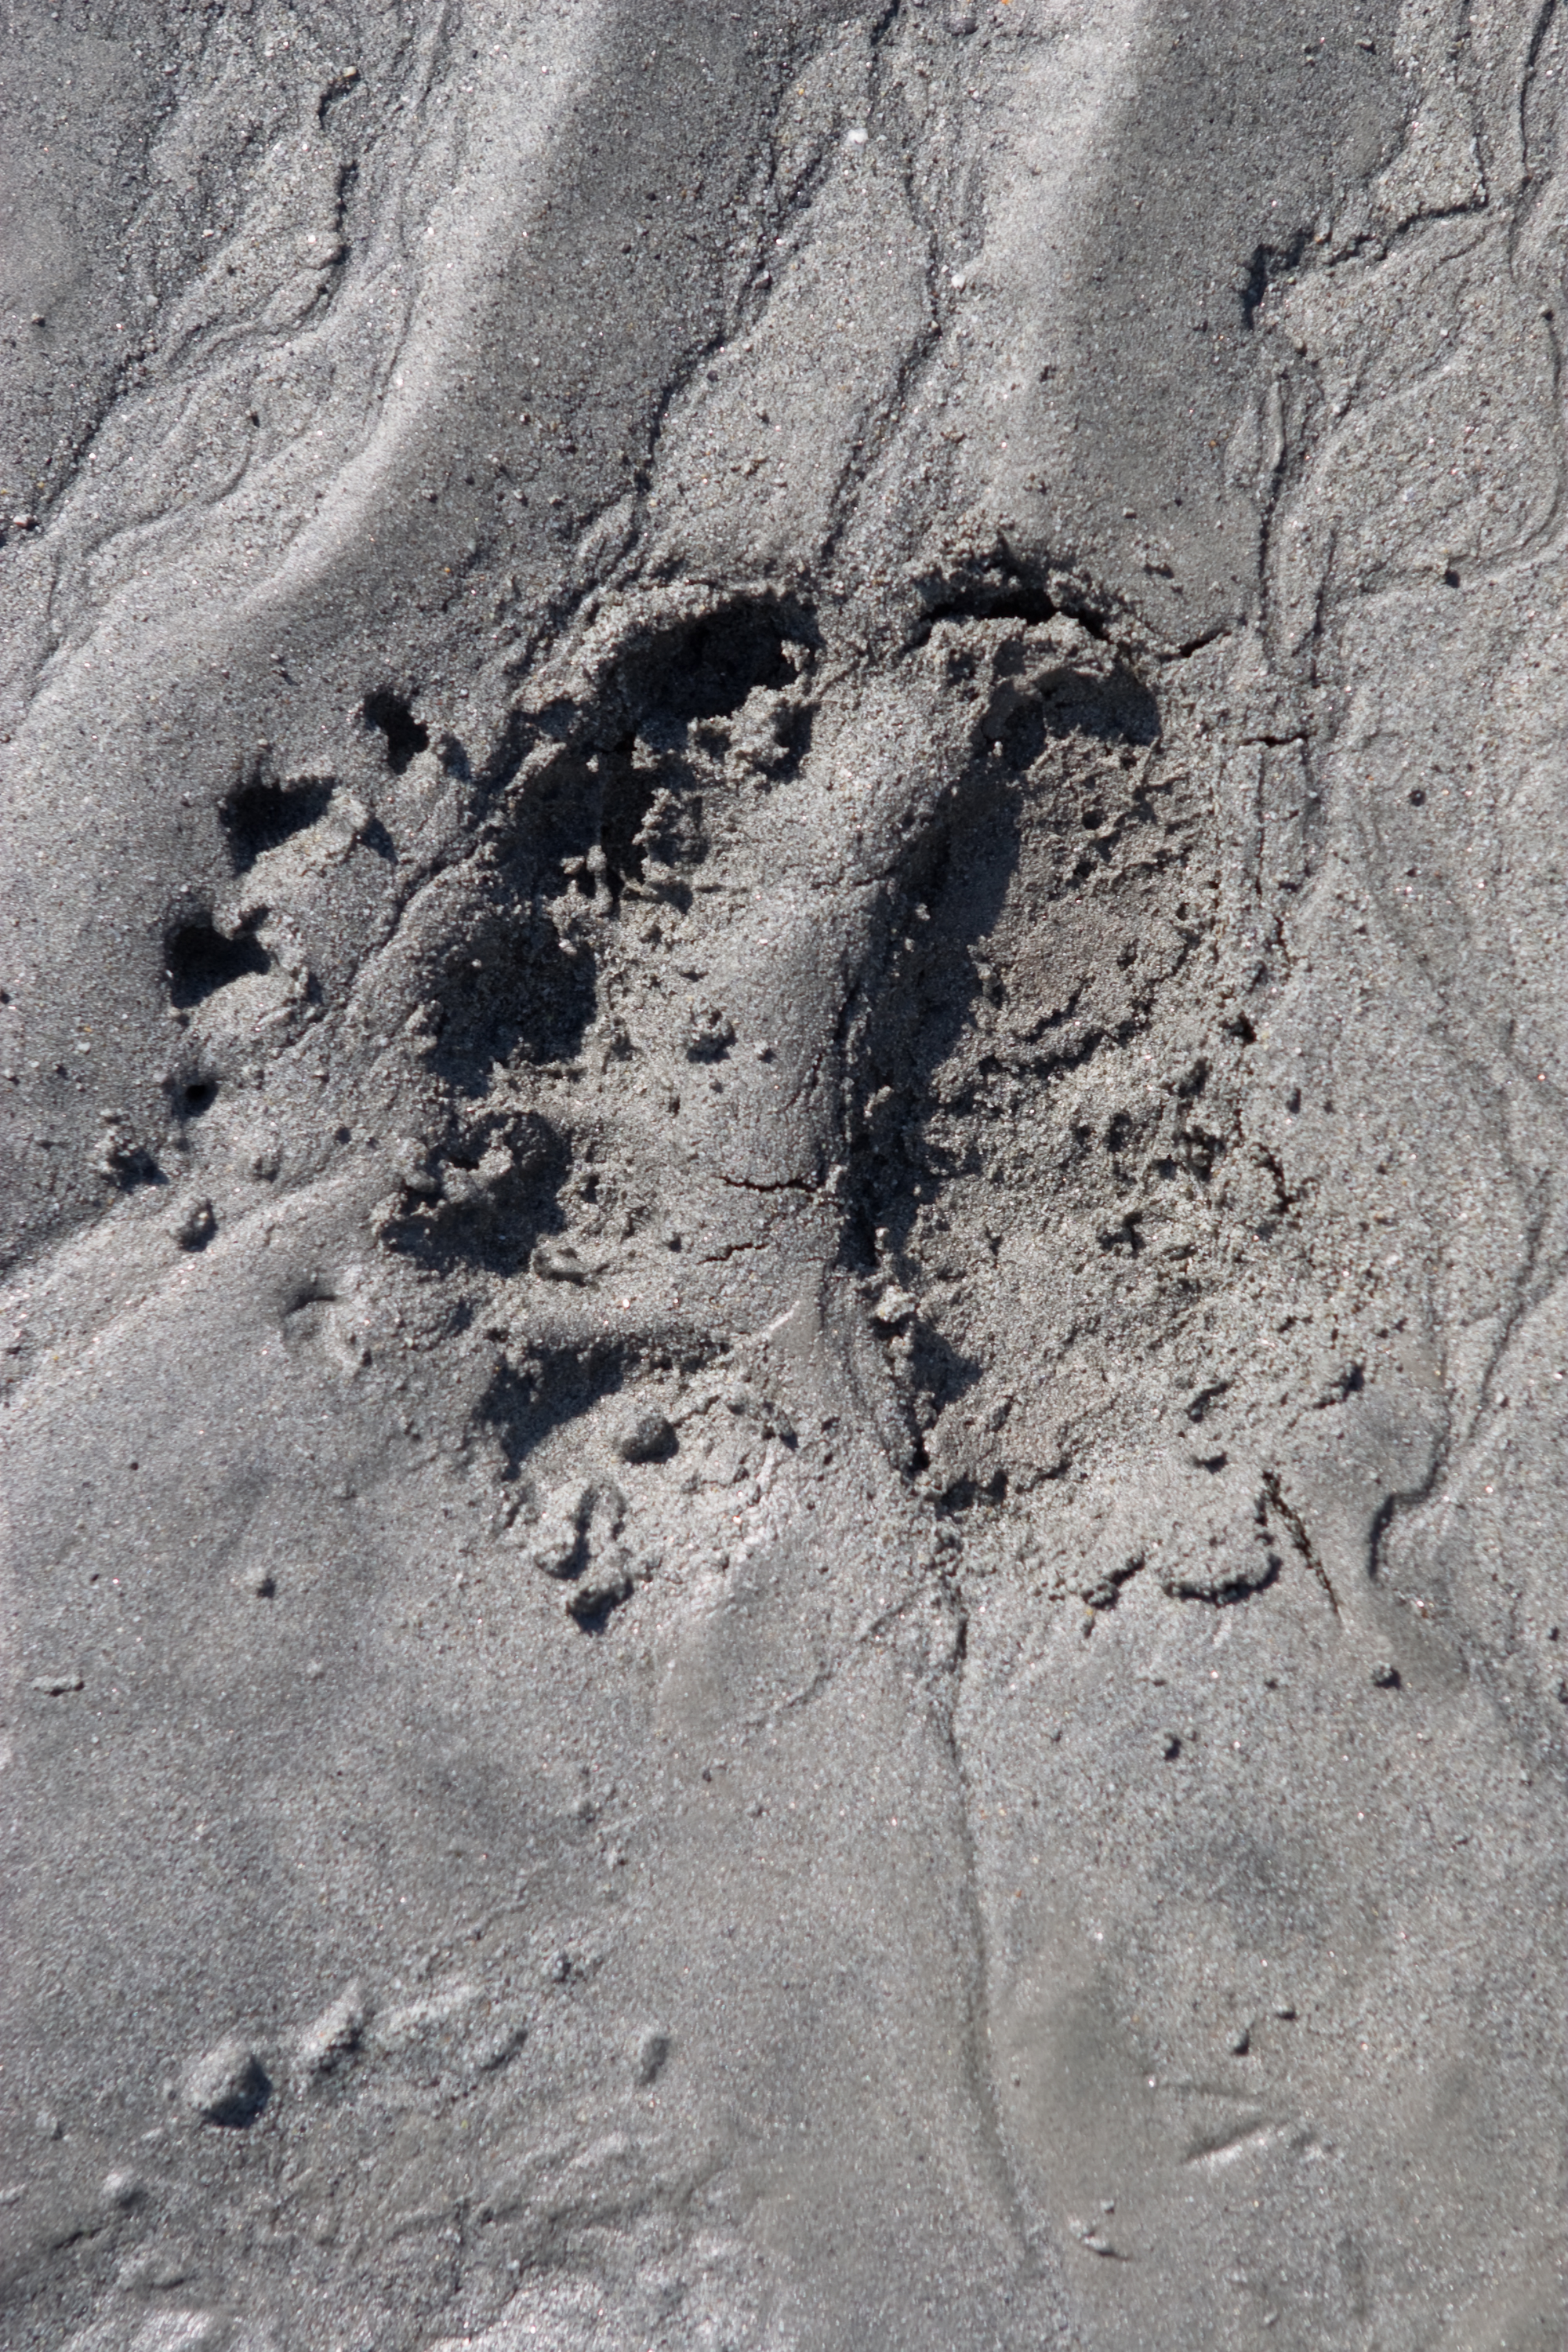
405 736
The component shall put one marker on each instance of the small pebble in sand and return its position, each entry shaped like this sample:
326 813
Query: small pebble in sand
227 2086
645 1436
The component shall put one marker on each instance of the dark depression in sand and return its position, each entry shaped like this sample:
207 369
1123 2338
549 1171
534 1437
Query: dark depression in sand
782 1175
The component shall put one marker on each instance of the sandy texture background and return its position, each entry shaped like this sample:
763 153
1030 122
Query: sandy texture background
782 1053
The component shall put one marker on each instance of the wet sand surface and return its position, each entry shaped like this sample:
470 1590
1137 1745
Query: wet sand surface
782 1181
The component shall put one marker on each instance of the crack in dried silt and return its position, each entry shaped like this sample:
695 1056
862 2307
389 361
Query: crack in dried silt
1297 1528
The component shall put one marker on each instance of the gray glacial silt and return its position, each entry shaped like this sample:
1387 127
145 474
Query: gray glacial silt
781 1023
